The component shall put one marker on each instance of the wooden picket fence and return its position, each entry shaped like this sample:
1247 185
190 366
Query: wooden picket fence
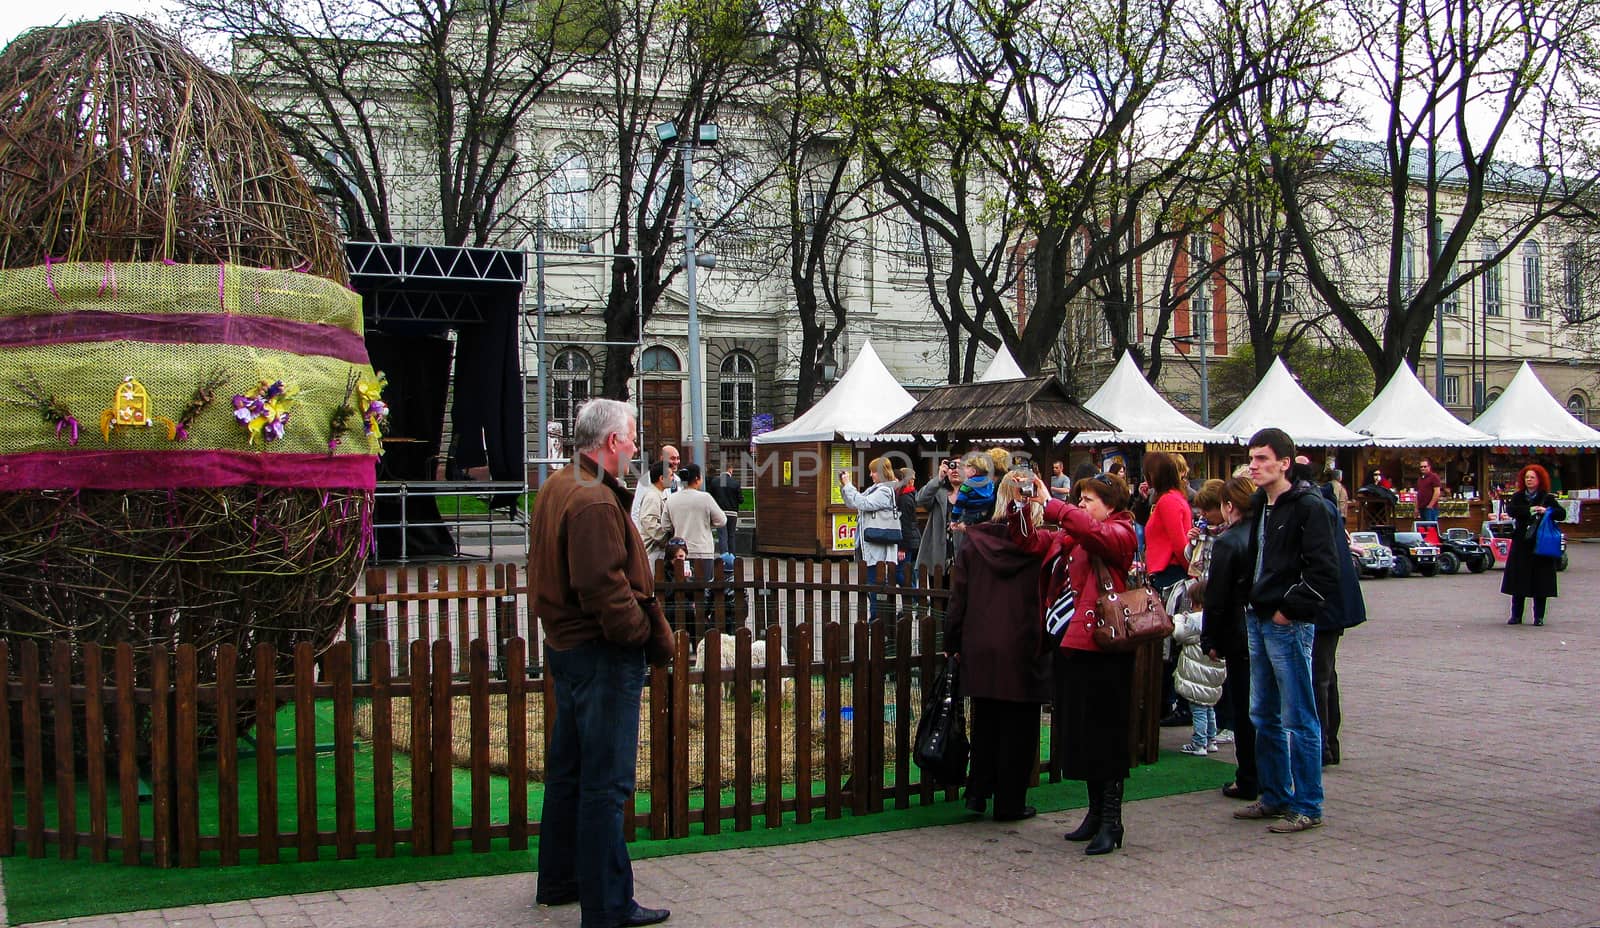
119 719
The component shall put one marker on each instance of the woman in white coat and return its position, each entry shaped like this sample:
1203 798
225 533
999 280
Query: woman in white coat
878 523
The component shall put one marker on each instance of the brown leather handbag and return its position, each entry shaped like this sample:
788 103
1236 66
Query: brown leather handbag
1121 620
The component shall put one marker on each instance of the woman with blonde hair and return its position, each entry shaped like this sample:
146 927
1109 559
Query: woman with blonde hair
992 627
878 525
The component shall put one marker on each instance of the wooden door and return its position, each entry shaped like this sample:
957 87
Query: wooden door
663 416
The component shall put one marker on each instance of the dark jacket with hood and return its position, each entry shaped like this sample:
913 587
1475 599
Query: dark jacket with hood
1349 608
1299 568
993 620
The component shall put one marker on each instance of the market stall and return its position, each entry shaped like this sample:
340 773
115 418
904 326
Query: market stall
1146 422
1528 425
1405 424
1279 402
799 509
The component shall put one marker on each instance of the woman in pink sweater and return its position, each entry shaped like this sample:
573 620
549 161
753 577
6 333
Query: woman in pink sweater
1167 531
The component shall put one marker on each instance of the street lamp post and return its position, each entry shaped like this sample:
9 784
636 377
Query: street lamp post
706 136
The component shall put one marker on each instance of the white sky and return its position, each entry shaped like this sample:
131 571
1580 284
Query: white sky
18 16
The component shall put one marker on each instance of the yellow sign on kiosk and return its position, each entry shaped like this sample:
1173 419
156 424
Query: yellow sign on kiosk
844 531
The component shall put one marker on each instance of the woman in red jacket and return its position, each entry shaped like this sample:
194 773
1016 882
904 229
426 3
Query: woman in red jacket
1093 688
1167 531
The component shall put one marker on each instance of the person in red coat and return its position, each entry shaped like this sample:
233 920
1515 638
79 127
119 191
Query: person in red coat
1166 534
1093 688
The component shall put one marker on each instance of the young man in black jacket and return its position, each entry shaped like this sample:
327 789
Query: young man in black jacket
1296 575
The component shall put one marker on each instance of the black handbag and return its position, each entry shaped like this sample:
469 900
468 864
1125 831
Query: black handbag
941 746
881 536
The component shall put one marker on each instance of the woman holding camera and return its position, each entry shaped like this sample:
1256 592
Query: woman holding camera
936 496
879 521
1093 688
992 625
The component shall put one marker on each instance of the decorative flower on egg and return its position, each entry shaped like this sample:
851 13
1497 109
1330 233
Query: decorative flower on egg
264 411
374 411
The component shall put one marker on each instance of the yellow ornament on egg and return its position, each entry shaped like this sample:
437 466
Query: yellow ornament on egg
130 407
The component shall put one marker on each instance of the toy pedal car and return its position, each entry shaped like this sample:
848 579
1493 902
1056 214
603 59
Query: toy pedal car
1497 536
1412 555
1372 557
1457 547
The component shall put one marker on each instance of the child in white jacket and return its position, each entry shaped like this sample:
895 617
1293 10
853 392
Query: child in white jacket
1198 677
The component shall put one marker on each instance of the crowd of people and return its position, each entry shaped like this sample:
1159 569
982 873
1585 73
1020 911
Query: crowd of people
1255 569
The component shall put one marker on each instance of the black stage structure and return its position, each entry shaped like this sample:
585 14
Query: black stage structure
413 298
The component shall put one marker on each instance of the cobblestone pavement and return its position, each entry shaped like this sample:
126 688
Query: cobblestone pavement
1467 796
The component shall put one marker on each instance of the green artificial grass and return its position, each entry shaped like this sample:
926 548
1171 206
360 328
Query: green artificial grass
464 505
49 889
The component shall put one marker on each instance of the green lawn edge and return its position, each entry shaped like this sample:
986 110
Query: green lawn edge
49 889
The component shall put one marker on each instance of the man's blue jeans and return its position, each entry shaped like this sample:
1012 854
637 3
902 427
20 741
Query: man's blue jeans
1428 515
1283 708
589 775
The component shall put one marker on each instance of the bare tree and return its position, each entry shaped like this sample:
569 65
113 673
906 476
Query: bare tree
1484 137
405 112
689 64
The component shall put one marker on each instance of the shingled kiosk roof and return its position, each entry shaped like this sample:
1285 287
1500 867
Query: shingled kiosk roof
1035 409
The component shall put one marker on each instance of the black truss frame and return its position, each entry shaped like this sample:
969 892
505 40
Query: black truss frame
432 283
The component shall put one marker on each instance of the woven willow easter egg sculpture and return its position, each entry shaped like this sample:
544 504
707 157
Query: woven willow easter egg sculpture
188 418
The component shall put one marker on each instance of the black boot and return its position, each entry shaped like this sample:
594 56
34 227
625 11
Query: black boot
1110 834
1091 822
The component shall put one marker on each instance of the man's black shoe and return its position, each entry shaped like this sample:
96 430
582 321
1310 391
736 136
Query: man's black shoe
643 916
1177 720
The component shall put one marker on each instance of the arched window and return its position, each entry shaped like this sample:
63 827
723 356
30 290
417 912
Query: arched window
1532 281
1578 405
659 360
568 204
737 383
569 386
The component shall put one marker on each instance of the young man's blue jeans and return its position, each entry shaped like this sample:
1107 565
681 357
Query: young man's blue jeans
1429 515
1283 707
589 775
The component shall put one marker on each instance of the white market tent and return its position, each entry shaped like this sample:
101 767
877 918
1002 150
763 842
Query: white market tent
1278 402
865 399
1002 367
1526 415
1140 413
1405 415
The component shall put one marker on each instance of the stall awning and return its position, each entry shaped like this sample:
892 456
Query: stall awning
1526 415
1405 415
1278 402
1141 414
865 399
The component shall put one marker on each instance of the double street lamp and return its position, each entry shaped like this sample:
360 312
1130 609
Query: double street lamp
705 136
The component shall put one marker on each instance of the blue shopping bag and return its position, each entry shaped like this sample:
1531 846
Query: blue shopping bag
1547 540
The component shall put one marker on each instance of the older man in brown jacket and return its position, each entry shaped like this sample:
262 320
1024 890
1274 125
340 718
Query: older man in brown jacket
595 597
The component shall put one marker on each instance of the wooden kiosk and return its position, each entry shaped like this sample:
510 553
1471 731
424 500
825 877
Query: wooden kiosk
798 506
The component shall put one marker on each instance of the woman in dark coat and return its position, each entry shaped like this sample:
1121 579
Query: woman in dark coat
1222 631
992 624
1093 688
1528 574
